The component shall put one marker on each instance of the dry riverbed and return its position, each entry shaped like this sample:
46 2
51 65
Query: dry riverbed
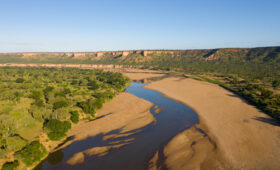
123 114
238 136
241 136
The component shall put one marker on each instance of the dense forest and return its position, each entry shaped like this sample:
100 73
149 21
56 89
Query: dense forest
250 63
38 102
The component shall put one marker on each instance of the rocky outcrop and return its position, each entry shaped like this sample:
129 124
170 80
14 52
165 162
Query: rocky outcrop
207 55
125 53
96 54
159 52
212 57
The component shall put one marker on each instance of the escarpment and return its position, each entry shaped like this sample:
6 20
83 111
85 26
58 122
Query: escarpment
207 55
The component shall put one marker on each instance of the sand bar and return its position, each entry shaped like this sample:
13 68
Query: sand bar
246 137
125 113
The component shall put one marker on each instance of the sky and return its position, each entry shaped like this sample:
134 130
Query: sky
104 25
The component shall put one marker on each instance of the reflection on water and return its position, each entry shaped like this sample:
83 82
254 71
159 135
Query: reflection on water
133 149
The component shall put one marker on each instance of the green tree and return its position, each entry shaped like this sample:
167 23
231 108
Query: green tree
87 107
31 153
93 85
57 129
15 143
275 83
60 104
10 165
74 82
266 93
36 95
19 80
47 90
75 116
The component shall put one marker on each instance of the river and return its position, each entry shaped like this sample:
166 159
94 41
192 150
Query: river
174 117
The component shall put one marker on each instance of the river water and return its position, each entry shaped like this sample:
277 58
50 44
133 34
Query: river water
174 117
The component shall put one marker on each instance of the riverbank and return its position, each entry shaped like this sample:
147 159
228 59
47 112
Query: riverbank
119 117
245 137
238 135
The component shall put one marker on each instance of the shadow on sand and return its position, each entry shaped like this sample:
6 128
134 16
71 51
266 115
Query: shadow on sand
270 121
132 149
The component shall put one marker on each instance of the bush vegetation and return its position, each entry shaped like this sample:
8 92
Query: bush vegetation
74 116
19 80
31 153
14 143
249 63
34 99
87 106
10 165
57 129
275 83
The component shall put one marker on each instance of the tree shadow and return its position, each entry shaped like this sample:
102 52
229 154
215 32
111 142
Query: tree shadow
239 97
110 139
180 79
270 121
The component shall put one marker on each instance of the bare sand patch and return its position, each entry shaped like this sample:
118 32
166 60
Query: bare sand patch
153 162
192 149
246 137
140 76
158 110
127 112
78 158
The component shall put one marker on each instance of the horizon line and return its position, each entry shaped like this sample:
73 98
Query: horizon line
143 50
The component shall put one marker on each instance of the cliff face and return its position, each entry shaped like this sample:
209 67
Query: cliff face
266 53
80 55
250 62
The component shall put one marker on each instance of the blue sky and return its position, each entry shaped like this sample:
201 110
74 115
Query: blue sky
91 25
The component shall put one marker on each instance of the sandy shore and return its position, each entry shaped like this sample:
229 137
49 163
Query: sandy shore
242 136
124 113
137 74
238 135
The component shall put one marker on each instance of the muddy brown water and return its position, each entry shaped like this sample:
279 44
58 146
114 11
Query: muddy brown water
174 118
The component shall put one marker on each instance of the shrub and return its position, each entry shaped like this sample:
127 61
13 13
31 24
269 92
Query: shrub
32 153
87 107
47 90
61 94
3 143
98 103
57 129
15 143
60 104
276 83
10 165
66 91
55 136
75 116
19 80
93 85
266 93
36 95
39 103
74 82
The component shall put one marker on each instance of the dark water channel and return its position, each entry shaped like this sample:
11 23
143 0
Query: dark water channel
174 118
